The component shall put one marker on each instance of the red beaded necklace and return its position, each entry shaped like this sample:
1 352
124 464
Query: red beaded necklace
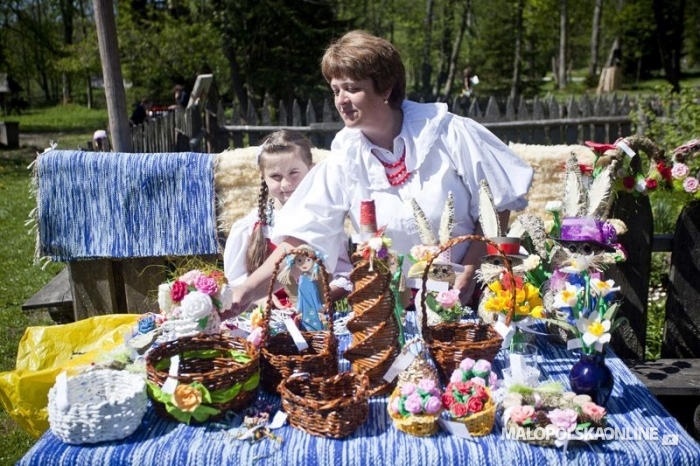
397 177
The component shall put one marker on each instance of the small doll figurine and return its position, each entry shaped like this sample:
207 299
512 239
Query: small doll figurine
303 271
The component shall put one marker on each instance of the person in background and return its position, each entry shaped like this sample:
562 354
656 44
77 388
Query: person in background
392 151
182 97
100 141
284 159
141 112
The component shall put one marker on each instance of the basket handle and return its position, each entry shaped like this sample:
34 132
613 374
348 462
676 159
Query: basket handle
640 143
458 240
324 282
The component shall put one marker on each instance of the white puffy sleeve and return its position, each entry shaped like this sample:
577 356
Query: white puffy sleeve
478 154
236 247
316 211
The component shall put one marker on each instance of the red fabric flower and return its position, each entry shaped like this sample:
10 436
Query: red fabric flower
651 183
218 275
665 171
463 387
459 410
585 169
447 400
628 183
598 147
178 291
475 404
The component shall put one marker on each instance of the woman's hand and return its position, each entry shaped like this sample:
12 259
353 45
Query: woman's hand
465 282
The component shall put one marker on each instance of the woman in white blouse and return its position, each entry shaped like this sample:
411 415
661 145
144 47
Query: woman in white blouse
392 150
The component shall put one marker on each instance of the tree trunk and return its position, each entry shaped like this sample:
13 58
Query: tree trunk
563 33
426 68
112 75
517 52
89 89
456 46
669 17
595 39
67 13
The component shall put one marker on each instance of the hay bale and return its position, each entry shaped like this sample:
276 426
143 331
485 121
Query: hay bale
237 178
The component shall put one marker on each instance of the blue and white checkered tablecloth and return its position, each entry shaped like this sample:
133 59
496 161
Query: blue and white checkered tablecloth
377 442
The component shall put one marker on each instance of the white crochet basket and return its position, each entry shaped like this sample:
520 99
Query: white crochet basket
99 406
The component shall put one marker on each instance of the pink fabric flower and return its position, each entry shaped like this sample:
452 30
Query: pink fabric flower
520 414
408 388
482 368
467 364
479 381
433 405
493 379
691 185
456 375
565 419
396 405
427 385
255 337
206 285
414 404
178 291
680 171
191 277
592 410
447 299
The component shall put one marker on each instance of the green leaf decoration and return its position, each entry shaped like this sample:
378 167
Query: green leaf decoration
253 382
222 396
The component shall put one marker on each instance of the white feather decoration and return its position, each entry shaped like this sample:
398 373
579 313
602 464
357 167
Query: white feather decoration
447 220
574 194
488 217
599 194
425 230
517 230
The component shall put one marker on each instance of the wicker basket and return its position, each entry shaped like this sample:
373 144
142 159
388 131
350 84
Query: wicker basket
421 425
102 405
481 423
327 407
451 342
280 355
207 359
420 368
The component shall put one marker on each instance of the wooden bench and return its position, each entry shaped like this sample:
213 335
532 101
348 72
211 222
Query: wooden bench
56 296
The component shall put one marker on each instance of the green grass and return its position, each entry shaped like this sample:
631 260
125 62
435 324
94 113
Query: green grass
19 280
63 118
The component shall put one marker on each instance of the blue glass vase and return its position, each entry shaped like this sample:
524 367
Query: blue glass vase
591 376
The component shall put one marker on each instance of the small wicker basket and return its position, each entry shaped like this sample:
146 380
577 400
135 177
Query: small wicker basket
280 355
327 407
207 359
103 405
481 423
451 342
421 425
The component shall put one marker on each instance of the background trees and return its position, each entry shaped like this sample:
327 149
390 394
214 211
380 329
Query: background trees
273 47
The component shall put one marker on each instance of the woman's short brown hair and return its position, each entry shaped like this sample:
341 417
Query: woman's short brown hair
359 55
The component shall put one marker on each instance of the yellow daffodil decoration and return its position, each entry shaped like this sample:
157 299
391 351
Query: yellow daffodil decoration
528 302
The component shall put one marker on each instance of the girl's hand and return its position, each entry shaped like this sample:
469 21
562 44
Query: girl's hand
465 282
241 302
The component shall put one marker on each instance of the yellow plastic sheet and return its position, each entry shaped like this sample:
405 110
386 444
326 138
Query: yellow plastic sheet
44 352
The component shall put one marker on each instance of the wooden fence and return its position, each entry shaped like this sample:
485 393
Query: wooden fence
536 121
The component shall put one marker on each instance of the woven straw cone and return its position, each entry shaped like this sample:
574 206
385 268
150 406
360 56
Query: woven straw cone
421 425
328 407
375 331
481 423
451 342
280 355
215 374
419 368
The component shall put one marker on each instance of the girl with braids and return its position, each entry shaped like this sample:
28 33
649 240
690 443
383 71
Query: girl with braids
284 159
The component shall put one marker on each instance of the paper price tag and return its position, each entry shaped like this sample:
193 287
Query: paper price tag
296 335
455 428
506 331
518 367
171 382
430 284
62 392
279 420
626 149
400 364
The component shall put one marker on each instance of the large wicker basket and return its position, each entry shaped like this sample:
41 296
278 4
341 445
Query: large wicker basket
280 355
327 407
421 425
451 342
102 405
211 361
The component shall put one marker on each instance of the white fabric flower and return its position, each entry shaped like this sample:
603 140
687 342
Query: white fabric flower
225 297
603 288
532 262
596 331
165 302
553 206
568 297
375 243
196 305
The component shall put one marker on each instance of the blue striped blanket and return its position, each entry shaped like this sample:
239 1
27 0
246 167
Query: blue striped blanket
97 204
